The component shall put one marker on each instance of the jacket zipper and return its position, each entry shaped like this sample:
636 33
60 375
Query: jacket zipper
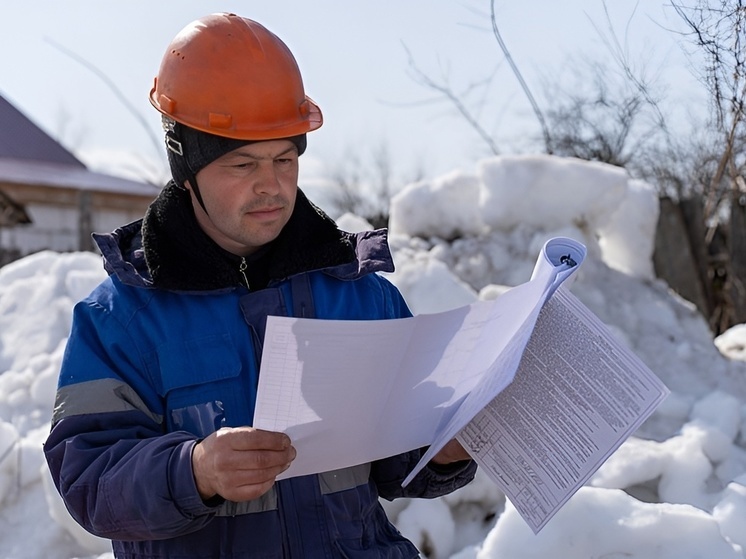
242 268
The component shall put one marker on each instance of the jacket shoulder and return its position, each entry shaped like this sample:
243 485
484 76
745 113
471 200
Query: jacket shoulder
123 254
372 255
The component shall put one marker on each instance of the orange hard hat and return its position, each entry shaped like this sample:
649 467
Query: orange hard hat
230 76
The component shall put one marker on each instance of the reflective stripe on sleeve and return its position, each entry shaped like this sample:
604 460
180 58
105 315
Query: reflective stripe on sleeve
99 396
266 502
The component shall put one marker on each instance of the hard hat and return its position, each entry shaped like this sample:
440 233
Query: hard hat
230 76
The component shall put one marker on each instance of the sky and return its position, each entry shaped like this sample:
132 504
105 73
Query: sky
675 489
355 60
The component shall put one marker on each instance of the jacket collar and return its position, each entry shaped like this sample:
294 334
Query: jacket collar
180 256
167 249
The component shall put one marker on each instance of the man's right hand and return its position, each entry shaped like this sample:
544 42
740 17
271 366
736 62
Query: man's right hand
241 463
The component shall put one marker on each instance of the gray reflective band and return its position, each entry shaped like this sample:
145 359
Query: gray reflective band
346 478
98 396
329 482
266 502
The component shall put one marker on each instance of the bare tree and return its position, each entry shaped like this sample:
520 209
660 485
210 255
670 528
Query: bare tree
608 122
524 86
599 117
156 142
459 99
717 29
365 189
611 112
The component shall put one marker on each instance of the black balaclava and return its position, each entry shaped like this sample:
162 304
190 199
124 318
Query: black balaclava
190 150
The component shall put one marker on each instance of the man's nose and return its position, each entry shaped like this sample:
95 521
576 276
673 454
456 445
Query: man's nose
267 180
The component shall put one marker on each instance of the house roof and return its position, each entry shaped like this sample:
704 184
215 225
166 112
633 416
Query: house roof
16 171
28 155
20 138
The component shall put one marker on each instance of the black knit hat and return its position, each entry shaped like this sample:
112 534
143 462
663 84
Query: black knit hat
190 150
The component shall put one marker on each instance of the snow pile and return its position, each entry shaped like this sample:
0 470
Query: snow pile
677 489
37 294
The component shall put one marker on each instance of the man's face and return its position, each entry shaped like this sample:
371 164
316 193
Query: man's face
249 194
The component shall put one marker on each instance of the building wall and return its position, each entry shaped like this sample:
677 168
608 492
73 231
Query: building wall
62 220
55 228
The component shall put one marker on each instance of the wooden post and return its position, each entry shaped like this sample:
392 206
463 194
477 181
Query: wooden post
85 220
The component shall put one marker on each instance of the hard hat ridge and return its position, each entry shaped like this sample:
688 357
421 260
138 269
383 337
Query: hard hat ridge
230 76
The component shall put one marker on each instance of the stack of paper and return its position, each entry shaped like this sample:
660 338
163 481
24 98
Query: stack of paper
532 384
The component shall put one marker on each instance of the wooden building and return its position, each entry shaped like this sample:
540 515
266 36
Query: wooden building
49 199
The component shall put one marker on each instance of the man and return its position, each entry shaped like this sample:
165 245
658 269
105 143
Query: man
151 444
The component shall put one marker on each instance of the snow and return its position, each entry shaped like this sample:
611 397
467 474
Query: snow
677 489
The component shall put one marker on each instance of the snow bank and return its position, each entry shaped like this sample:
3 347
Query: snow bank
37 294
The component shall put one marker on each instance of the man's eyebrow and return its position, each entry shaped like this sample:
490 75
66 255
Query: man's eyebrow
239 153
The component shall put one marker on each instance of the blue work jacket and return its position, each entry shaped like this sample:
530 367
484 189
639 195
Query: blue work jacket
148 372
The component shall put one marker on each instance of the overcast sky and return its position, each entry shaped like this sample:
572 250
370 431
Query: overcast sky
353 57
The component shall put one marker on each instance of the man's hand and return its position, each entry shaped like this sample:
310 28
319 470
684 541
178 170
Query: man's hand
451 452
240 463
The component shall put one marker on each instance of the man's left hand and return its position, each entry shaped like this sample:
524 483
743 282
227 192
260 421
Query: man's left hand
451 452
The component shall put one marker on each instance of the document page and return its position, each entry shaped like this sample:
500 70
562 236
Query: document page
557 262
577 395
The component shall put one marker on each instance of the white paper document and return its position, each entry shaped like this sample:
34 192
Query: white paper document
577 395
349 392
532 384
